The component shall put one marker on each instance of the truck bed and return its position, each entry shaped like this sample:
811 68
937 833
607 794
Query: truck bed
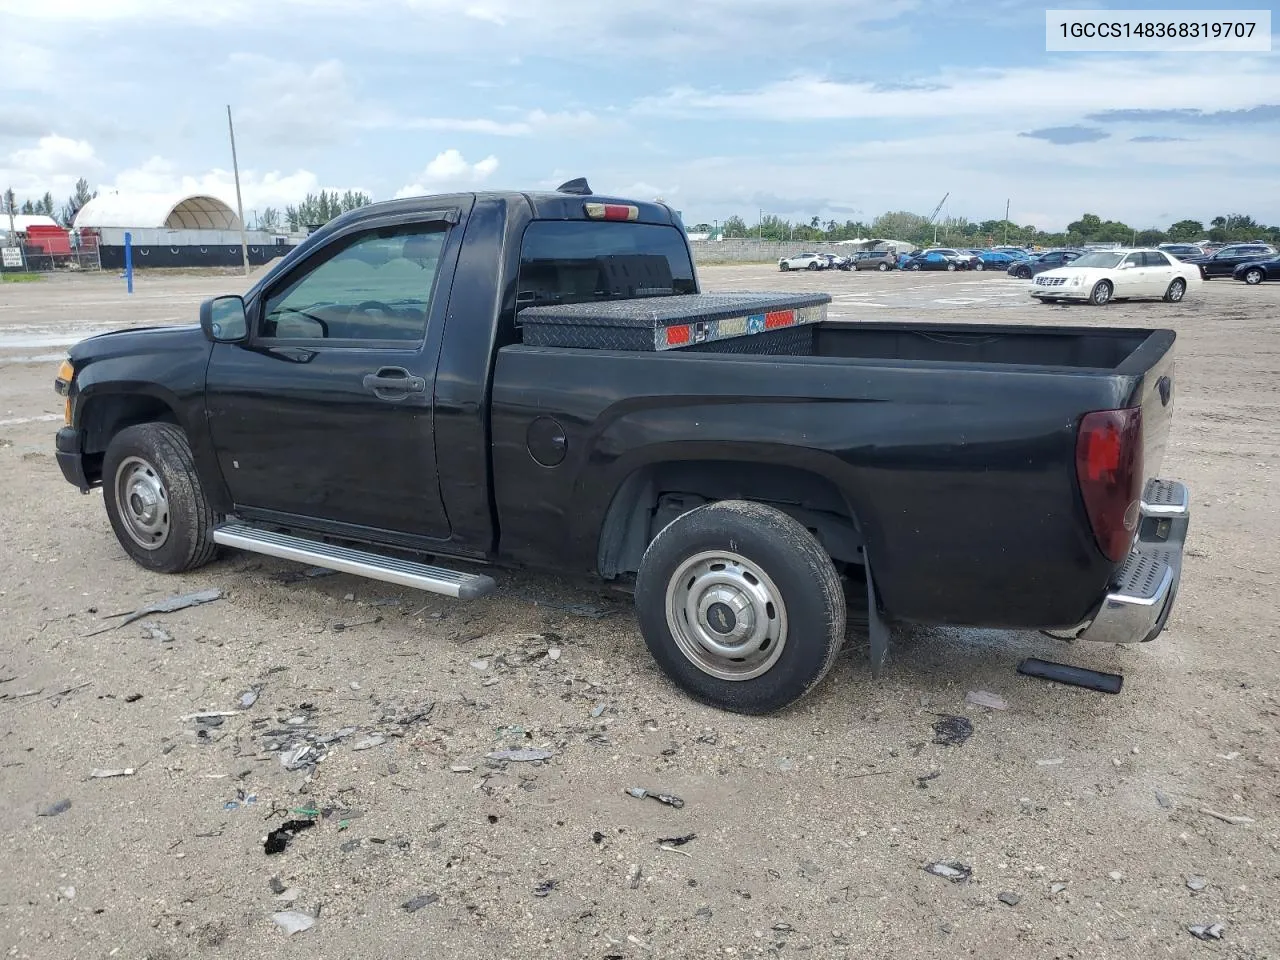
954 445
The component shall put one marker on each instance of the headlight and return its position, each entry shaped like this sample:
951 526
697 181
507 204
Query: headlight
1076 281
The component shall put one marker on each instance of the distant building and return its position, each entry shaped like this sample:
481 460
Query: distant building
173 230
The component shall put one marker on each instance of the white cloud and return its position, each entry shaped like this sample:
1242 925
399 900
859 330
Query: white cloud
450 170
259 190
1059 93
55 155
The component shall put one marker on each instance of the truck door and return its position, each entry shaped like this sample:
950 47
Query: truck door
322 418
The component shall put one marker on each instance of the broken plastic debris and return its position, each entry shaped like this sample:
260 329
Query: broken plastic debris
640 793
598 712
953 870
633 876
279 838
984 698
544 888
1211 932
369 742
521 756
168 605
678 841
554 653
418 902
952 731
291 921
53 809
460 768
249 697
106 774
1197 883
300 756
480 665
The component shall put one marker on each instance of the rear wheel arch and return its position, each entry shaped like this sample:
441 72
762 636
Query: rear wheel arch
654 495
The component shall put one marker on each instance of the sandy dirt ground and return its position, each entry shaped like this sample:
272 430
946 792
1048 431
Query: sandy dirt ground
1079 814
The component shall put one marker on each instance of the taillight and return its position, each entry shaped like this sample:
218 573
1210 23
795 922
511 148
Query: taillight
611 211
1109 466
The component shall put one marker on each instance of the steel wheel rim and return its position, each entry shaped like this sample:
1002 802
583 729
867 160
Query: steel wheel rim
1253 277
143 503
726 615
1176 290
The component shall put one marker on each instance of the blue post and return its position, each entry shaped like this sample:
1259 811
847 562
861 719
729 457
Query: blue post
128 261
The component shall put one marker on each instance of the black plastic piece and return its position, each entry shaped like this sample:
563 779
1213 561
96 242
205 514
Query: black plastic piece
1075 676
877 629
578 186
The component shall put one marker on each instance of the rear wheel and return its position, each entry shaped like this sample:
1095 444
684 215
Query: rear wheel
884 267
951 267
1100 296
1176 291
1254 277
814 265
740 606
155 501
979 266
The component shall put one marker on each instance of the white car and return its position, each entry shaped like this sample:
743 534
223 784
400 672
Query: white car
803 261
1106 275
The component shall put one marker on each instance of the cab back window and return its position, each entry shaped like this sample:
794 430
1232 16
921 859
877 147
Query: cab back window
577 261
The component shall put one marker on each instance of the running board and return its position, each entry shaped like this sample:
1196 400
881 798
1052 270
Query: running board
407 573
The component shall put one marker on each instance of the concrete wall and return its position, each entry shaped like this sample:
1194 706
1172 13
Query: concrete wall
758 251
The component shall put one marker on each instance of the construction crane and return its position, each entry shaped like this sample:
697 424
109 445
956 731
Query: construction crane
933 216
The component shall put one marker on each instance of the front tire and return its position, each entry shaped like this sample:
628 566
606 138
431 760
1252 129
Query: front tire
740 606
784 267
1100 295
1177 290
1254 277
884 268
813 266
155 501
951 267
979 266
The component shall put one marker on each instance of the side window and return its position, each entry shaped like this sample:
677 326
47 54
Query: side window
1154 258
378 286
1133 260
1052 258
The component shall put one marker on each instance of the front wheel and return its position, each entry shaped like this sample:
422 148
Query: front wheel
1176 291
813 266
1253 277
1101 294
951 267
740 606
783 267
979 266
884 268
155 501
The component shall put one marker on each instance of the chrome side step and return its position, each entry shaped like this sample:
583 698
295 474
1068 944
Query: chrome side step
407 573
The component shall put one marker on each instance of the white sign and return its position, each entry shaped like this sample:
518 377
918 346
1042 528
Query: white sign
12 256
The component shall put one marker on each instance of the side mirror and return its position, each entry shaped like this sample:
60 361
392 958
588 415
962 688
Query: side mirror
223 319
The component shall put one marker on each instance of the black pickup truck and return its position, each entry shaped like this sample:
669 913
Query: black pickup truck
430 388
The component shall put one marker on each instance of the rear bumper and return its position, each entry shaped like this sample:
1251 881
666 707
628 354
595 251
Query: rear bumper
71 457
1142 596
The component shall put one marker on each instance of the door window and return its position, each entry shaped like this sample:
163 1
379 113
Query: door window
1133 260
378 286
1154 258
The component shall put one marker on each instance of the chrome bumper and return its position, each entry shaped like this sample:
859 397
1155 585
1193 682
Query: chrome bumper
1142 595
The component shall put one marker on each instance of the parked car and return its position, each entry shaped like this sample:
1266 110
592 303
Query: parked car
882 260
522 380
990 259
1256 271
836 262
1105 275
937 259
803 261
1183 251
1017 253
1224 262
1050 260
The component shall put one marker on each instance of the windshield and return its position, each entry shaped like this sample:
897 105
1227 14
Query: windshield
1105 260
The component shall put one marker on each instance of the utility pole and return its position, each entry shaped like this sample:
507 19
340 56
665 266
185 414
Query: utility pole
1006 223
760 226
235 166
9 206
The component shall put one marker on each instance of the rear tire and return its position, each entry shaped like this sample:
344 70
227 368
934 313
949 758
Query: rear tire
1254 277
813 266
951 267
155 501
1177 290
979 266
884 268
1100 296
740 606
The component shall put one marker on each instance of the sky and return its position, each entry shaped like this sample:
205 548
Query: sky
840 109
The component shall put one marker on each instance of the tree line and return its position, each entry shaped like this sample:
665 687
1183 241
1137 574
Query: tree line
316 209
65 215
954 231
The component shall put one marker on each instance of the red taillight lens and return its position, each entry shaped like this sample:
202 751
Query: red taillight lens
1109 466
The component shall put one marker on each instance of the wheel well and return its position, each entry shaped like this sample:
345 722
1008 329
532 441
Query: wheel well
655 495
104 417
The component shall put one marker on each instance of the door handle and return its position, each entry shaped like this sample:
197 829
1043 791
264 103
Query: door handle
396 381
